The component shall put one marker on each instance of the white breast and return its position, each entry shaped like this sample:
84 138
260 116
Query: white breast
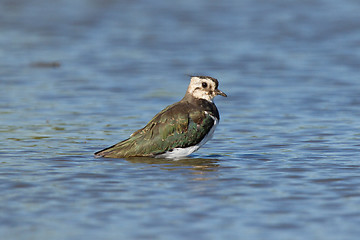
178 153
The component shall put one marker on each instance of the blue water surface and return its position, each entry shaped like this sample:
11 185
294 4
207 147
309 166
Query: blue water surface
78 76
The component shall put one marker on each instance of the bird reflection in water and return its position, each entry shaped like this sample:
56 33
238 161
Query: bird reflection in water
201 167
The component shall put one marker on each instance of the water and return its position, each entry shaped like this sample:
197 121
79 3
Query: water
77 76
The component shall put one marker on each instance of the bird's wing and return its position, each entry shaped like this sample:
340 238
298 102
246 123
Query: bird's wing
177 126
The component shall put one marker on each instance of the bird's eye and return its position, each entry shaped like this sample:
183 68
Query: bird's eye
204 84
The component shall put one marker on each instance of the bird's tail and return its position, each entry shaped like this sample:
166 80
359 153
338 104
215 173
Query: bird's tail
118 150
127 148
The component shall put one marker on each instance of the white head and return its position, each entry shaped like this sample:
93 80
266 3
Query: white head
204 87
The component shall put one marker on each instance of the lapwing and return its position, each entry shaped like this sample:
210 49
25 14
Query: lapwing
178 130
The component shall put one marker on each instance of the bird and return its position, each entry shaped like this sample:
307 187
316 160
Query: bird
178 130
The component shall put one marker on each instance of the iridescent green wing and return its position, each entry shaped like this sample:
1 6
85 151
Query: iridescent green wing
177 126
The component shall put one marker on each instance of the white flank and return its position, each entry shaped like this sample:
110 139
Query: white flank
178 153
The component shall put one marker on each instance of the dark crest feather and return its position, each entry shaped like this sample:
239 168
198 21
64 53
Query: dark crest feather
207 77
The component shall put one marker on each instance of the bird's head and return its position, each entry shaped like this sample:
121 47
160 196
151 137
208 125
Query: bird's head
204 87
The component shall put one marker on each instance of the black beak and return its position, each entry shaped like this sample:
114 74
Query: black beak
218 92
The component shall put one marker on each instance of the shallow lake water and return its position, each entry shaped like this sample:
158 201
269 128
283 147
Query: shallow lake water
78 76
